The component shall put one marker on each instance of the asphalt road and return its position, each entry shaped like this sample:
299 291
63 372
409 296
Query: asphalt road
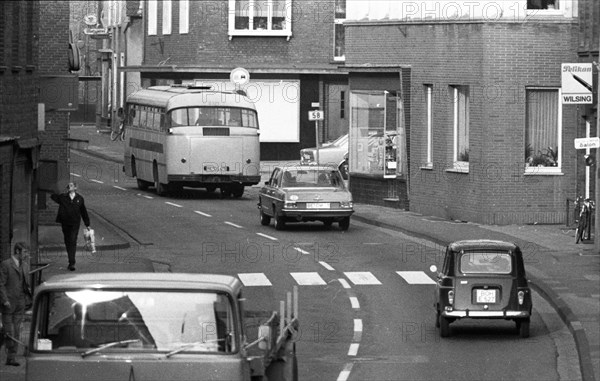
365 295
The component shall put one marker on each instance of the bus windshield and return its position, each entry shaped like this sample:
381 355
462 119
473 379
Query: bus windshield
213 116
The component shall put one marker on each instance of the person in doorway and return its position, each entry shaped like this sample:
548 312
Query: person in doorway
14 296
71 210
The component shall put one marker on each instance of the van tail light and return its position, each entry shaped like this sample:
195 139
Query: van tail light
521 295
451 297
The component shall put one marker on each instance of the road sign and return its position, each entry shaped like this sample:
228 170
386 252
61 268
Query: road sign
576 83
316 115
583 143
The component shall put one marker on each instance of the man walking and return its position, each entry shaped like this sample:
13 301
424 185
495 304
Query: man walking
71 210
14 292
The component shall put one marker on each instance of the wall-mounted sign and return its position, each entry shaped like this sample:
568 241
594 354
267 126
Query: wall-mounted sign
576 83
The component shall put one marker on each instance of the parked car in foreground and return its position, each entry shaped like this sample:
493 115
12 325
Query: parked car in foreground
154 326
482 279
305 193
330 154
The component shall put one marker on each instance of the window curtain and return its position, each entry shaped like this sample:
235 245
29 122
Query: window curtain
542 120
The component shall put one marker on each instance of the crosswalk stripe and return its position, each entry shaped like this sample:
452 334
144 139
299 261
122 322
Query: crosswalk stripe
254 279
308 279
415 277
362 278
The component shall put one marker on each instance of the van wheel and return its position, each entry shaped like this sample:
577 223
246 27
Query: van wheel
225 192
444 326
237 191
161 189
523 327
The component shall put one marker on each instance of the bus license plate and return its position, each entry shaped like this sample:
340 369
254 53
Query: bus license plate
486 296
317 205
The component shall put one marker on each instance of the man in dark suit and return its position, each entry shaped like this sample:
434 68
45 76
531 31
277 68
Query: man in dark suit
71 210
14 293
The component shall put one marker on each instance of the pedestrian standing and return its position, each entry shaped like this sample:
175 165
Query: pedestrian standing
71 210
14 296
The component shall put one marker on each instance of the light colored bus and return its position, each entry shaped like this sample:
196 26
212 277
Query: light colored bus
192 136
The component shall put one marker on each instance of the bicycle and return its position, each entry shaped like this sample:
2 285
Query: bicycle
118 135
583 223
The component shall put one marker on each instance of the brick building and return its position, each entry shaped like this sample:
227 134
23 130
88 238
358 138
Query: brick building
290 48
34 64
487 138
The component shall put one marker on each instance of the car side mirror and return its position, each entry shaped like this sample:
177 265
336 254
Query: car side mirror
267 183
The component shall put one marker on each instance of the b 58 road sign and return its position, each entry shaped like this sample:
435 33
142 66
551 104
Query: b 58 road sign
584 143
316 115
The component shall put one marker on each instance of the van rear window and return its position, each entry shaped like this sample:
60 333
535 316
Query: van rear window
488 262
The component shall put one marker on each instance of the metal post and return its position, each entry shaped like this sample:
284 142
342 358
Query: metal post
597 171
317 141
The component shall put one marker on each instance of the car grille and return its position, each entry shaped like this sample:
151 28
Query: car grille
215 131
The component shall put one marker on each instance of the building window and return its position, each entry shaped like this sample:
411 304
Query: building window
166 17
428 126
338 30
543 131
460 99
377 133
260 18
184 16
543 4
152 17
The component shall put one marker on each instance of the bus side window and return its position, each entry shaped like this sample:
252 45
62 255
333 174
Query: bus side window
165 123
136 116
143 114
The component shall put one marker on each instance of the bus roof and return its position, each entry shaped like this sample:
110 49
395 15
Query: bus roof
171 97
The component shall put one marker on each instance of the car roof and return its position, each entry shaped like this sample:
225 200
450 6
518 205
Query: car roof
485 244
144 280
307 167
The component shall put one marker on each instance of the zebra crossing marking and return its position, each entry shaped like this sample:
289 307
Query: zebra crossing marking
362 278
254 279
308 279
415 277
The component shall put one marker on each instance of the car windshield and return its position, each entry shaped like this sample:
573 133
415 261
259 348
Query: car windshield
321 178
487 262
125 320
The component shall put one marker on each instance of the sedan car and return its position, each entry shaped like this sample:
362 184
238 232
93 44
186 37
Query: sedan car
329 153
482 279
305 193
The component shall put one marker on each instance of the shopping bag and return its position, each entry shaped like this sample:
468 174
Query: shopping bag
90 240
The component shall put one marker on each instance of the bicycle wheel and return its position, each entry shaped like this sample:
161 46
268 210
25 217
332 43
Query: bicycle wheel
122 134
114 135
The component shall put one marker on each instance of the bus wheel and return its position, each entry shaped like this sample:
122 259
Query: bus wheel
238 191
161 189
225 192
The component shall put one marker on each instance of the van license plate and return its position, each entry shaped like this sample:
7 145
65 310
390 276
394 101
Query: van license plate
486 296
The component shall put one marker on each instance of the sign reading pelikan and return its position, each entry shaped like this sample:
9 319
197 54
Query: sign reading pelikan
576 83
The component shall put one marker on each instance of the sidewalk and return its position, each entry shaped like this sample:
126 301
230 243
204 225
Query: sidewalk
564 273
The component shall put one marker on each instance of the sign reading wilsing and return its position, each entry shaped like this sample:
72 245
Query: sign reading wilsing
576 83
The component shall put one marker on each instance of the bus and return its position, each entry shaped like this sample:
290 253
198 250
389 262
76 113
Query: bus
191 136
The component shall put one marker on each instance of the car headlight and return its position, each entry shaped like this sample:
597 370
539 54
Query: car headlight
521 296
451 297
290 205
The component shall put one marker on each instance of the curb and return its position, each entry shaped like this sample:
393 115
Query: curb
564 311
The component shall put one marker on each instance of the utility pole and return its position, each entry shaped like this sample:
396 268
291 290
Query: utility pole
597 170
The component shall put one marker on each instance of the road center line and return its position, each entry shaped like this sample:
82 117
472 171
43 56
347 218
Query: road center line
354 302
326 265
202 213
344 283
232 224
358 326
344 374
301 251
172 204
75 174
353 350
123 189
149 197
267 236
97 181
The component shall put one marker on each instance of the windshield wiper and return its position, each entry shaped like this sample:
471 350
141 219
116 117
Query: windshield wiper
187 346
108 345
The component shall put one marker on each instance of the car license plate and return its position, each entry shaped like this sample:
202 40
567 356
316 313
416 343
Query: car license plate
486 296
317 205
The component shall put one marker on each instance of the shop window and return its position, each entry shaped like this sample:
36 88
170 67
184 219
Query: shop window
543 131
152 17
377 136
543 4
184 16
338 30
460 100
260 18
